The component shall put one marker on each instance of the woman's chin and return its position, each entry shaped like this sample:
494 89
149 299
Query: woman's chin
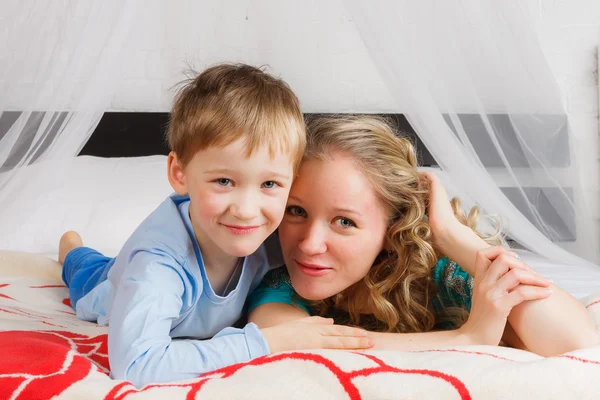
313 295
311 289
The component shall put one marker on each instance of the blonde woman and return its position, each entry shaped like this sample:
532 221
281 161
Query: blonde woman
370 241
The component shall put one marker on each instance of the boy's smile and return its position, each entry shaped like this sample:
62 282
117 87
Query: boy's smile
241 230
236 200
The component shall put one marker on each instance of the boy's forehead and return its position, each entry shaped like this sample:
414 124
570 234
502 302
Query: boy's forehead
245 149
237 157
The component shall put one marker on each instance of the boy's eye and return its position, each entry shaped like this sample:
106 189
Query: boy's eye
223 181
345 222
269 184
295 211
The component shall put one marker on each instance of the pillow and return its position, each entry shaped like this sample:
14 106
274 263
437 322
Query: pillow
104 199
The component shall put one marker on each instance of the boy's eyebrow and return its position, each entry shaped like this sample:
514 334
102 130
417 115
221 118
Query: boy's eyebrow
231 171
278 175
219 171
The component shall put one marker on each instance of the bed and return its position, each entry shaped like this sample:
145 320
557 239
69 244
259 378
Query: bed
46 352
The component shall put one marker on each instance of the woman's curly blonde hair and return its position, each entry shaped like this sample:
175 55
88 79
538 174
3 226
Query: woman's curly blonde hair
399 287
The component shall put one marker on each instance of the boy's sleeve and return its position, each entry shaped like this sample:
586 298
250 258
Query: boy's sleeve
455 285
276 287
140 349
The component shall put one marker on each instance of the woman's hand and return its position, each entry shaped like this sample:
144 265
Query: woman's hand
440 214
502 281
449 236
315 333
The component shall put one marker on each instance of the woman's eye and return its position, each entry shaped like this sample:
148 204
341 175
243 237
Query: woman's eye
295 211
270 184
223 181
345 222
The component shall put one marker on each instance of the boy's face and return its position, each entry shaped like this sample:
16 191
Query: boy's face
236 201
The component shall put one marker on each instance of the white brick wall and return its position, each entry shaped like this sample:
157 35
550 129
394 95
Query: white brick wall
312 45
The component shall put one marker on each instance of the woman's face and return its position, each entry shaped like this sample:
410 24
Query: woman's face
333 229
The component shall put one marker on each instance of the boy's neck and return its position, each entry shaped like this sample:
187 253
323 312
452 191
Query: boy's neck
219 271
218 265
225 262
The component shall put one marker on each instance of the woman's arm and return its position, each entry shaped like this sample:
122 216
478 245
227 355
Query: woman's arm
550 326
485 325
271 314
453 239
419 341
493 299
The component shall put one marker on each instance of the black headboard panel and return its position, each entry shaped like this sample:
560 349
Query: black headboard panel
134 134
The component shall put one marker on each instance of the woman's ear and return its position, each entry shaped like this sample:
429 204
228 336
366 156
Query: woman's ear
176 174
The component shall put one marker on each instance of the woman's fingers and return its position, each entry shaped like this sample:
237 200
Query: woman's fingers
502 265
484 259
345 337
516 277
525 293
431 176
317 320
492 253
343 330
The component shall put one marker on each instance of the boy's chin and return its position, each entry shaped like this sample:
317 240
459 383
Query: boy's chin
242 250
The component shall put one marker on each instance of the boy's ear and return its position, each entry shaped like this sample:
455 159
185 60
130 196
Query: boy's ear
176 174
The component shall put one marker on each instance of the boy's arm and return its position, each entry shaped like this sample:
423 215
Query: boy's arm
139 345
147 301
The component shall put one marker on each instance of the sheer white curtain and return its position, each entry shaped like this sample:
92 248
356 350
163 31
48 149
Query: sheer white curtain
473 82
61 63
468 74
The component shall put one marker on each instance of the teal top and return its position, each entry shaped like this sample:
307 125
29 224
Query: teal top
455 288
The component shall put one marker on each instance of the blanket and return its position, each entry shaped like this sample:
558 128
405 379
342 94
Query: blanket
46 352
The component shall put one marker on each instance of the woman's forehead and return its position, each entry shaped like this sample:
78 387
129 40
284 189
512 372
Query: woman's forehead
336 181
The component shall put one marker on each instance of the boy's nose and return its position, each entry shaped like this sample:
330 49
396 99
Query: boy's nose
244 209
313 240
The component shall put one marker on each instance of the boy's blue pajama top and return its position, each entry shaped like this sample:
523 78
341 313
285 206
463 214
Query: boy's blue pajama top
158 303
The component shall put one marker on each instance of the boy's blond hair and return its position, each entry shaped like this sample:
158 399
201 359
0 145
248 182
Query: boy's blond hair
228 102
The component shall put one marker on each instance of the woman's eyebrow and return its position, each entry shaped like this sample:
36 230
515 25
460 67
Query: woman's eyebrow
295 198
347 211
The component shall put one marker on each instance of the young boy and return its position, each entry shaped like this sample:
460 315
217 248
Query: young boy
237 135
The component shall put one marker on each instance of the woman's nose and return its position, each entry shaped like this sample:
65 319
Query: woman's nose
313 240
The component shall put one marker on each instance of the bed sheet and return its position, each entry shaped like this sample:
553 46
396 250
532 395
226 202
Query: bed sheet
46 352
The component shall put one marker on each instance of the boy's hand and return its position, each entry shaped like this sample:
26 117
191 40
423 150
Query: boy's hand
315 333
